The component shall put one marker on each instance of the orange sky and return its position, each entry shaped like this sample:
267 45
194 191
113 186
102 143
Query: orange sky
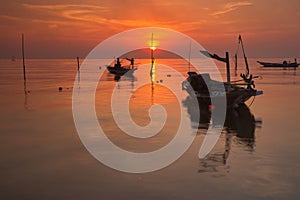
70 28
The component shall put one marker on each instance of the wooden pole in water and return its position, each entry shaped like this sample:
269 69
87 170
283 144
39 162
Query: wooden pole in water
23 57
78 65
78 70
24 68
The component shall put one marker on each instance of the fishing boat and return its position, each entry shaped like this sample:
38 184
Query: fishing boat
120 70
236 92
284 64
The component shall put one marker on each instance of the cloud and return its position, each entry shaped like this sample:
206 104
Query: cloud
93 19
8 17
65 7
76 19
231 6
89 16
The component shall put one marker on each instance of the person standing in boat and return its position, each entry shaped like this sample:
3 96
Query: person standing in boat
131 62
118 63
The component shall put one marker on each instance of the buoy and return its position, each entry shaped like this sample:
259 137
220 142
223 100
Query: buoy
60 89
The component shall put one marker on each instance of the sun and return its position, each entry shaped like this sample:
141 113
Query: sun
153 48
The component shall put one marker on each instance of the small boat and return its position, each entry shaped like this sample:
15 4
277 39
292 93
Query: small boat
236 93
120 70
284 64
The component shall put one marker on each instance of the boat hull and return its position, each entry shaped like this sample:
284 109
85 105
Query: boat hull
279 65
120 70
233 98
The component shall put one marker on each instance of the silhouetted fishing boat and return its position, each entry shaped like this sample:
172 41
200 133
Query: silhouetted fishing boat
284 64
120 70
236 93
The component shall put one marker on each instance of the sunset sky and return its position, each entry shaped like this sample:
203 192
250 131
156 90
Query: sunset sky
70 28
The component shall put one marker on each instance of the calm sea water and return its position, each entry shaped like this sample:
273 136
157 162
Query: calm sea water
42 156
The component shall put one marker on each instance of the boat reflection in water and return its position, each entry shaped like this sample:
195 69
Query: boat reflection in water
125 77
240 125
128 76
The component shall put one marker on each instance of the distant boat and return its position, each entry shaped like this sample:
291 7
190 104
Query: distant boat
284 64
120 70
236 93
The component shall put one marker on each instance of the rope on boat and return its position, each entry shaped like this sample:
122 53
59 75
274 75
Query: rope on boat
252 101
240 43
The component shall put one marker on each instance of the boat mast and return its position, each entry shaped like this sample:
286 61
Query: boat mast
152 70
228 70
151 55
190 57
245 58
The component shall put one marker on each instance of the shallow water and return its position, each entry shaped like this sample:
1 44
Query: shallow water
42 156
